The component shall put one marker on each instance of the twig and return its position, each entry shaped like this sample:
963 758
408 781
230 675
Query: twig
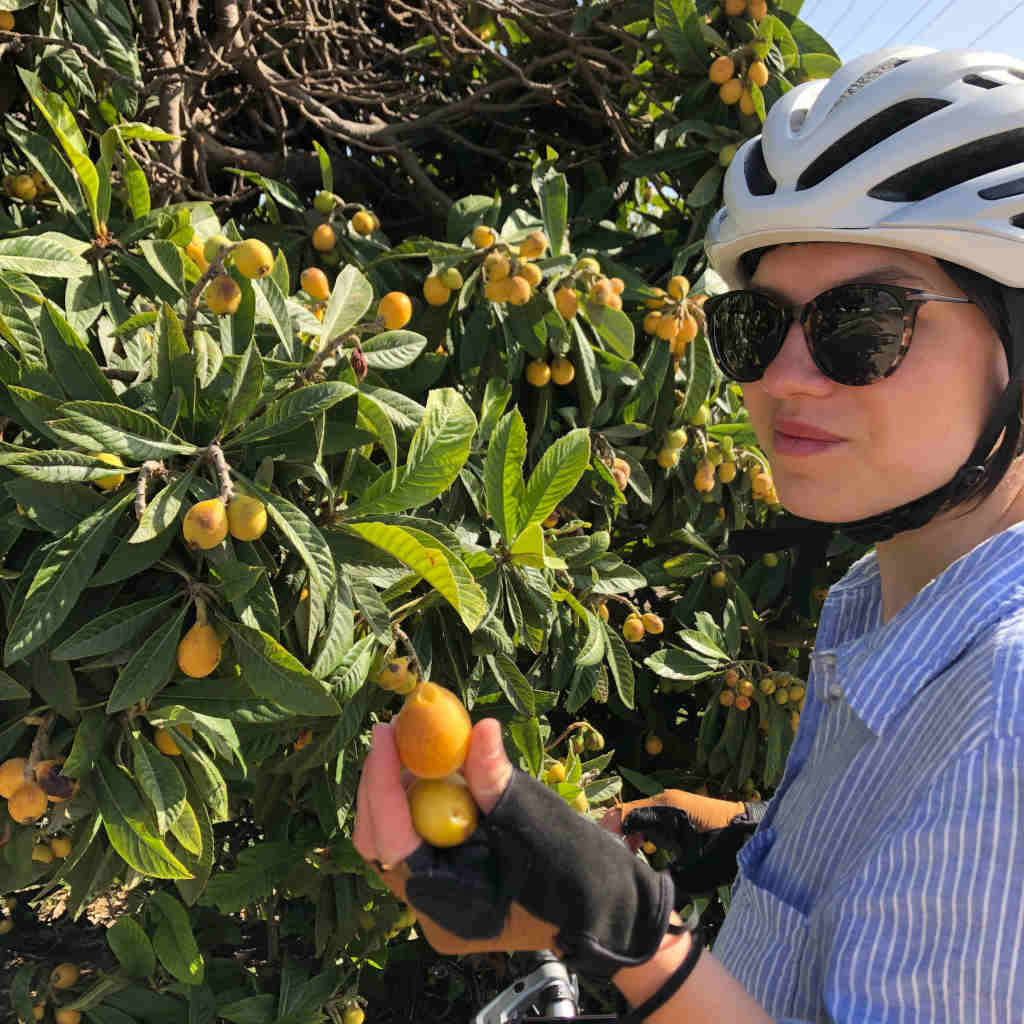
227 490
150 468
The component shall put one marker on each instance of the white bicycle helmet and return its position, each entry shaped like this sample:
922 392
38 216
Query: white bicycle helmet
912 148
907 147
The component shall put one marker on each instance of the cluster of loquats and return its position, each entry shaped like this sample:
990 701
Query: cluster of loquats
539 372
674 315
782 688
62 977
638 625
438 286
510 275
736 73
252 259
29 788
432 738
28 185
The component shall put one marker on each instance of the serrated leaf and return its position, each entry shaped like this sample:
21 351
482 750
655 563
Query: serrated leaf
525 734
162 511
438 451
123 431
529 549
128 826
39 256
703 646
272 672
613 327
439 566
149 668
159 780
681 666
292 411
393 350
503 473
554 477
131 945
552 192
61 578
621 665
174 942
513 683
111 631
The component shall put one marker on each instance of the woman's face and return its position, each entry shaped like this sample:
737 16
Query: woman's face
896 439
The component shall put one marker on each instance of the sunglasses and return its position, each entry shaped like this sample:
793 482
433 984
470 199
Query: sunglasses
856 333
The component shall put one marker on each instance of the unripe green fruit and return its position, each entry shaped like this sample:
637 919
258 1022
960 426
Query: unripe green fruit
593 740
700 417
452 279
675 438
323 202
213 245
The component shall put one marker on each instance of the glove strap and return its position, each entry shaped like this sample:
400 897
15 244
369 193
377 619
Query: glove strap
674 982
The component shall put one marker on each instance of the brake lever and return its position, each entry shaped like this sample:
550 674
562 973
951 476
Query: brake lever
551 983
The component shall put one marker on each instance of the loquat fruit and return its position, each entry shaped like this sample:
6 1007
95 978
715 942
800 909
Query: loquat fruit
12 775
64 975
164 740
27 803
362 223
205 524
199 651
452 279
483 236
395 309
323 202
758 73
213 245
432 732
533 245
323 238
730 92
112 482
315 284
435 291
678 287
253 258
538 373
562 371
6 21
721 70
633 628
567 302
223 295
443 811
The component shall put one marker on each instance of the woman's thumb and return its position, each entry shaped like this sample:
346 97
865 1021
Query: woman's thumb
487 769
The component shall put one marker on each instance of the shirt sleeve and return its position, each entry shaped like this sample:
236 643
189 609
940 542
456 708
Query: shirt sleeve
932 926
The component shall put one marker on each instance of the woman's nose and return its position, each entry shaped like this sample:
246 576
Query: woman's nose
793 370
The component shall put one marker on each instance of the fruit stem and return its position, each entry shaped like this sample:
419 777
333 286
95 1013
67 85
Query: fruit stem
227 490
403 639
565 734
324 354
201 616
40 744
150 468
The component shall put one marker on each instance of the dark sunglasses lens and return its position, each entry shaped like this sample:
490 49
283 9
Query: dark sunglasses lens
745 330
855 332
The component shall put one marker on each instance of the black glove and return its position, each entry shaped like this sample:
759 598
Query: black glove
609 908
702 860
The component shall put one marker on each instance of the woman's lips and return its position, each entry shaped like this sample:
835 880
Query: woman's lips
791 437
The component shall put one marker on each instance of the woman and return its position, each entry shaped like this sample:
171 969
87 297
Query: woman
871 237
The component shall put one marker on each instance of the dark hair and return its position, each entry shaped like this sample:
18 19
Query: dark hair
1003 307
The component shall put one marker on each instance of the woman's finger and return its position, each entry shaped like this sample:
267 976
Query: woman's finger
487 769
362 833
394 838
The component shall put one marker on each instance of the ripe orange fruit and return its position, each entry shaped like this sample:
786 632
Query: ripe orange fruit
432 732
730 92
497 266
324 238
27 803
65 1015
533 245
42 853
112 482
435 291
247 517
668 458
194 249
602 292
531 273
562 371
652 623
60 846
363 223
519 290
651 321
633 628
6 21
622 466
165 741
727 472
721 70
498 291
483 236
538 373
719 579
666 327
395 309
566 302
688 329
223 295
199 651
602 610
732 678
253 258
726 698
315 284
758 73
653 745
734 8
205 524
443 810
64 975
745 688
742 703
678 287
746 103
556 773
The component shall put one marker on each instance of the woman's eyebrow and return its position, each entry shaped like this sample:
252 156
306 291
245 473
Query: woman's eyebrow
892 274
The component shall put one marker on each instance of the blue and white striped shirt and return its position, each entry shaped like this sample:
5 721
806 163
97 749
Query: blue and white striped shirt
882 885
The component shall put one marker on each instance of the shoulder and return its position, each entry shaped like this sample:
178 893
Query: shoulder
1003 646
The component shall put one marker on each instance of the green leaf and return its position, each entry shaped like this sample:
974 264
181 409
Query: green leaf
554 477
644 783
351 297
123 431
621 665
72 362
61 578
439 566
703 646
174 942
681 666
503 473
128 826
162 512
246 389
526 736
149 668
159 780
40 256
613 327
131 559
591 650
553 194
819 65
292 411
393 349
708 186
513 683
671 16
206 777
700 376
373 416
175 364
55 466
438 451
131 945
272 307
261 1009
114 630
10 689
272 672
88 744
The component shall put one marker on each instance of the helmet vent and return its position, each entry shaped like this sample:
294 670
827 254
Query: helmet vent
865 136
868 77
981 81
952 168
759 178
1003 191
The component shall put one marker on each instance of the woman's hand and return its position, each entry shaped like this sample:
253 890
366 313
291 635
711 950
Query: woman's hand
383 831
705 812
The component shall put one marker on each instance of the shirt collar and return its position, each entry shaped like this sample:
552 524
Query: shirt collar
880 667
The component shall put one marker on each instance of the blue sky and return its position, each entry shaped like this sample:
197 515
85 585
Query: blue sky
856 28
